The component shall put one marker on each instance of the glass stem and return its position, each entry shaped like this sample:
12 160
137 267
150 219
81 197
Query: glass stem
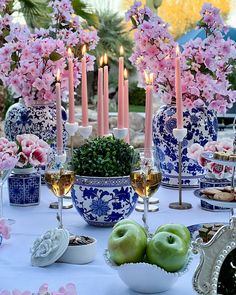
60 206
145 212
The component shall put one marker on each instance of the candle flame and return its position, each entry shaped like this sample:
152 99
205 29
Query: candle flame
125 74
105 59
148 78
101 61
58 75
69 52
177 50
121 50
84 50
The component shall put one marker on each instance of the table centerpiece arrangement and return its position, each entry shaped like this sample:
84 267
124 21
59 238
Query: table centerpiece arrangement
205 84
102 193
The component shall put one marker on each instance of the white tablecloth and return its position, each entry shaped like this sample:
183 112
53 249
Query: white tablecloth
94 278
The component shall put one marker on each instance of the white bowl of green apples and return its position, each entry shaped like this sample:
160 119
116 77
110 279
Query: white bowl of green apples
148 264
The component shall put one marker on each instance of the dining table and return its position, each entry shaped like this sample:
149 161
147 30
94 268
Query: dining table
97 277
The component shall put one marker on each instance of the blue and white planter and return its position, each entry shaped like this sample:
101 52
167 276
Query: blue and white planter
24 187
201 127
37 119
103 201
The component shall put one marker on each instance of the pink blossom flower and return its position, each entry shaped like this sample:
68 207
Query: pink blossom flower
206 64
195 151
5 229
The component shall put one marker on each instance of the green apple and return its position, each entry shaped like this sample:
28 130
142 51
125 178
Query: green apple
177 229
167 250
130 221
127 243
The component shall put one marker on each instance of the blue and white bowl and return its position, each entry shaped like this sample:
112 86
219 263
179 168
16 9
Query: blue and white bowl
103 201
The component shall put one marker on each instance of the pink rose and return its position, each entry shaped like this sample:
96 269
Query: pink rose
38 157
5 229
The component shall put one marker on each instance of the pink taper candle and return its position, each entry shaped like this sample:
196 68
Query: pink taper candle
120 123
178 91
84 90
148 112
106 97
126 104
100 126
71 87
59 117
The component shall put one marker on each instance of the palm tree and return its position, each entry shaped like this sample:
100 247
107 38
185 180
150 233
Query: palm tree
113 33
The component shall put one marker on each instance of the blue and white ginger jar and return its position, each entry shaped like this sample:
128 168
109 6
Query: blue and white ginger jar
24 186
37 119
201 125
103 201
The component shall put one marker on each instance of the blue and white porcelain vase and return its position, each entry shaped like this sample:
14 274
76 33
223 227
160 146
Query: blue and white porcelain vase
24 187
201 125
103 201
39 119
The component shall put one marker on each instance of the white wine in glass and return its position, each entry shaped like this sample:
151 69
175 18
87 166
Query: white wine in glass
60 182
145 177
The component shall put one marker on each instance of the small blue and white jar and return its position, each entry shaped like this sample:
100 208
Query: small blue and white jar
103 201
209 180
24 186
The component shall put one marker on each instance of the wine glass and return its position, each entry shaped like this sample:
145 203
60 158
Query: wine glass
7 163
145 177
59 178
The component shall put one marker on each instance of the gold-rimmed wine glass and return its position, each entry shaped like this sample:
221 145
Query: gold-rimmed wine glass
145 177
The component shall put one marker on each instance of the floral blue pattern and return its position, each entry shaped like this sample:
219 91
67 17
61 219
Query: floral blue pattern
39 120
201 127
105 201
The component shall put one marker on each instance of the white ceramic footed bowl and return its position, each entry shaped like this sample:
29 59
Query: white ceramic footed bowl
146 278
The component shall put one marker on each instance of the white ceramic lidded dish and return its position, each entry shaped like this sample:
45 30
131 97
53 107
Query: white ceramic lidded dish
146 278
80 254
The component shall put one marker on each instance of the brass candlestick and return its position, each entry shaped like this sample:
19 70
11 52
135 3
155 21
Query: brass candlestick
179 134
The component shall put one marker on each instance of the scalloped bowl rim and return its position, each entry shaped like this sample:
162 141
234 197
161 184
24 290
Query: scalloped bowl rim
145 277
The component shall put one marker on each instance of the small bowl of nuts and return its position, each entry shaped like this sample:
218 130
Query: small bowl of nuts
81 250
